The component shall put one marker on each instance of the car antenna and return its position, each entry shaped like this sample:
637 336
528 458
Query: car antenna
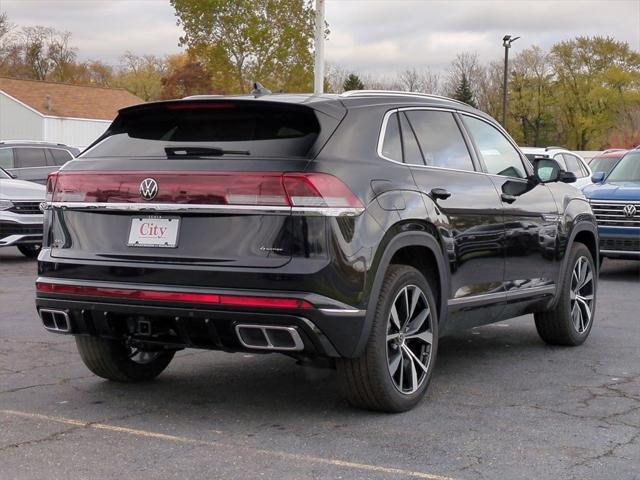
259 90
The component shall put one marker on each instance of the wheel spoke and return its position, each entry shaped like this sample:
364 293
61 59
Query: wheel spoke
587 279
414 358
575 311
417 322
426 337
406 307
394 317
585 310
415 296
392 336
394 363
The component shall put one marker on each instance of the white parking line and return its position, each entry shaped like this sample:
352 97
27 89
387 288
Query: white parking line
194 441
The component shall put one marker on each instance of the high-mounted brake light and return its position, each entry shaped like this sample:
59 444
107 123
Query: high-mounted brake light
292 189
164 296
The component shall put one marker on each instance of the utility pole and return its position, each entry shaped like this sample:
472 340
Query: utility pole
318 70
507 40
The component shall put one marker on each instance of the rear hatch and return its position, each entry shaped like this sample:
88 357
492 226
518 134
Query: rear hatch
210 182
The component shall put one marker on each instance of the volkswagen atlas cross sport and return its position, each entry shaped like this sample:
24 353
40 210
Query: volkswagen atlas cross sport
360 227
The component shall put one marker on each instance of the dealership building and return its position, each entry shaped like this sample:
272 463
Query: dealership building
57 112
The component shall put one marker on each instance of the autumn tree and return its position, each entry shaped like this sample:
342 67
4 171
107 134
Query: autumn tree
596 79
265 40
141 75
185 76
352 82
46 53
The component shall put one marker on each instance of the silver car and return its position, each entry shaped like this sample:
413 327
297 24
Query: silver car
20 215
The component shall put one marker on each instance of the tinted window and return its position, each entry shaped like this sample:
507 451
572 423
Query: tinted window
30 157
410 148
573 164
603 164
60 157
392 143
6 158
500 157
261 128
440 139
628 170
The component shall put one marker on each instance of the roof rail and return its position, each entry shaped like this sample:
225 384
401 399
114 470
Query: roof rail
399 93
40 142
610 150
554 146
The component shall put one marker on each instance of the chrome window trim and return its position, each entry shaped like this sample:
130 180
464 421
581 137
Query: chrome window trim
383 129
205 208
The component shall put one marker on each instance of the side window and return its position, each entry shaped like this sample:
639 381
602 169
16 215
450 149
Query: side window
6 157
410 148
30 157
560 159
500 157
573 164
392 143
440 139
60 157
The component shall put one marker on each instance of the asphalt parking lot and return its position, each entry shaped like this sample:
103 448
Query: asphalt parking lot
502 405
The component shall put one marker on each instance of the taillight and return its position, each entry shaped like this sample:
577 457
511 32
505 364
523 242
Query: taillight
165 296
51 186
306 190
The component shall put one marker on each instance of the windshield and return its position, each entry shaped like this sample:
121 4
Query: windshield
4 174
603 164
250 127
628 170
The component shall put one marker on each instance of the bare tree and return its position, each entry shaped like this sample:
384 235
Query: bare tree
413 80
46 52
465 64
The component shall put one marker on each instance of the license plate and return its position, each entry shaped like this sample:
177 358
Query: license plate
154 232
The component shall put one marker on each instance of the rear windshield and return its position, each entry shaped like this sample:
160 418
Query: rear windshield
254 127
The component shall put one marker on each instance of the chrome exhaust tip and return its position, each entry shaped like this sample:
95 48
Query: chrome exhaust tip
55 320
269 337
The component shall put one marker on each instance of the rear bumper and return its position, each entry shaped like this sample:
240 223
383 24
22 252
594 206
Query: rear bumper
617 242
329 328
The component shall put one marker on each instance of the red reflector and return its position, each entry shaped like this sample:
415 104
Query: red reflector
158 295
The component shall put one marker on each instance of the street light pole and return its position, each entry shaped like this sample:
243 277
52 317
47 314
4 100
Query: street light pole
318 70
507 40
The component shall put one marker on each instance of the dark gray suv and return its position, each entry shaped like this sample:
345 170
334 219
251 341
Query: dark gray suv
34 160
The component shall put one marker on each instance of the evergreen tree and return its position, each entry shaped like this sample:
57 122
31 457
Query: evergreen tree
353 82
464 93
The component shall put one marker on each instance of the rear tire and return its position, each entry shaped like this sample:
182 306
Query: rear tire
570 322
112 360
393 373
30 250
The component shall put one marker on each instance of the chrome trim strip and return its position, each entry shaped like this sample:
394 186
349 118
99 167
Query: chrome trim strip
342 311
205 208
397 93
22 238
633 253
505 295
613 202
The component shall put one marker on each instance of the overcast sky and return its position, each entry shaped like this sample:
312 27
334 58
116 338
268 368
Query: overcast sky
378 37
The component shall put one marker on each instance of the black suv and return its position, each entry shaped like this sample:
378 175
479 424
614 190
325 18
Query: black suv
359 227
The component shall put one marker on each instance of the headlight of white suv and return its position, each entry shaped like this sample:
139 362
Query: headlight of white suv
6 204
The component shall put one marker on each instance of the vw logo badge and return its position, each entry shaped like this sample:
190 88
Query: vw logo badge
148 188
629 210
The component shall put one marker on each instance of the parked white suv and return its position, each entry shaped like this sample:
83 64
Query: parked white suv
569 161
20 215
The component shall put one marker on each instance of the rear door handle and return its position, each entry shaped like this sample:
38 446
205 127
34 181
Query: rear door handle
440 193
506 198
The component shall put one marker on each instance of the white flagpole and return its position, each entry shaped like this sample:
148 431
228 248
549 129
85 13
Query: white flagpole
318 71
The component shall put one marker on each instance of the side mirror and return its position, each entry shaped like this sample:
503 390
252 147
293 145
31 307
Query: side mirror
568 177
598 177
547 170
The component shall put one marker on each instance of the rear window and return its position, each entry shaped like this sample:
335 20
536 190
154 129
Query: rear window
60 157
260 128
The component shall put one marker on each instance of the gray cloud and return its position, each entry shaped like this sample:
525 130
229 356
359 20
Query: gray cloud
368 36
